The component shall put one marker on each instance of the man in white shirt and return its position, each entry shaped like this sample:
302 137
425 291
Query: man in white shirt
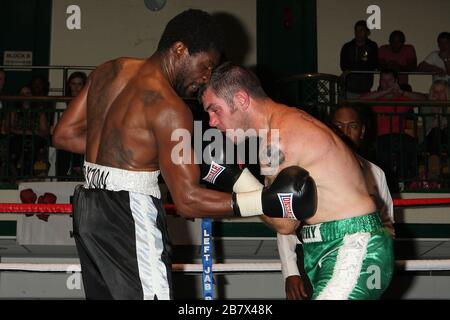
349 121
438 61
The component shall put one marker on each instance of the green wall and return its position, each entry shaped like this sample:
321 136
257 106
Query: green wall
25 26
286 37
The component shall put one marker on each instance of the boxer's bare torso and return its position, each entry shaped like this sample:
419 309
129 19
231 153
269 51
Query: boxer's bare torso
125 116
310 144
126 99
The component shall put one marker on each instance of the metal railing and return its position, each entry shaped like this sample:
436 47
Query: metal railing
65 70
316 93
343 78
310 91
414 151
319 94
26 151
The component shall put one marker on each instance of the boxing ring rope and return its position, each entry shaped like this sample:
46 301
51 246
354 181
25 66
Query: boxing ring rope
226 268
20 208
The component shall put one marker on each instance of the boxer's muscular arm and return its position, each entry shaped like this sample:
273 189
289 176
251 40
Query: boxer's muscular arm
70 131
191 200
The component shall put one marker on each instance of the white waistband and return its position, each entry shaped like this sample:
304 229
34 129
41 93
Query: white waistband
115 179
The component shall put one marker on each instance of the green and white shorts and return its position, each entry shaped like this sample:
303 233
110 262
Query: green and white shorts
349 258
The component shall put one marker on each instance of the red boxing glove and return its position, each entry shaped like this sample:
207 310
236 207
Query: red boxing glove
28 196
48 198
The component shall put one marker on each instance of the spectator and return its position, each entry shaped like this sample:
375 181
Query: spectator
75 83
2 81
40 86
30 130
390 90
398 56
3 111
439 61
68 163
436 127
2 84
360 54
3 129
395 150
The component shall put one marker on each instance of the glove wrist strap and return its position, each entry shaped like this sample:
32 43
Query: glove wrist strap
247 204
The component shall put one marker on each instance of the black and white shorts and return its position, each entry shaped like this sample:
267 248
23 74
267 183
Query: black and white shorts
121 235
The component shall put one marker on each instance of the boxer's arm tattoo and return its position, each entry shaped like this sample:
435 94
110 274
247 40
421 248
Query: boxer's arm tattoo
149 97
99 92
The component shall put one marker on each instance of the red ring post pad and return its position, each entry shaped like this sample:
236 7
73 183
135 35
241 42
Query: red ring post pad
52 208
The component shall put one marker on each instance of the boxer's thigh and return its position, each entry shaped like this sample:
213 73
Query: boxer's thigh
361 268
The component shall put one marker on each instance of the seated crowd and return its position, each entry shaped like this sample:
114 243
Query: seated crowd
410 143
26 128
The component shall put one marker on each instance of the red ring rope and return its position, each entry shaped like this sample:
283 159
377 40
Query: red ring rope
420 202
170 208
53 208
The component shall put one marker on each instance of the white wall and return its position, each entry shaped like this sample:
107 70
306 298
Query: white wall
111 29
420 20
121 28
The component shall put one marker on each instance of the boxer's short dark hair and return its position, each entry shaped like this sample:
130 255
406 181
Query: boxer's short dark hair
197 29
227 78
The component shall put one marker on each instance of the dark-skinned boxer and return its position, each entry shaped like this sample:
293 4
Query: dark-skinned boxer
123 121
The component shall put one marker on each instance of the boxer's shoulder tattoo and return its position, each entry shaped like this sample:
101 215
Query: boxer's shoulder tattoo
149 97
275 152
100 91
113 151
103 77
272 156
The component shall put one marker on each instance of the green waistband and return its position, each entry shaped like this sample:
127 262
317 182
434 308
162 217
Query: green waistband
336 229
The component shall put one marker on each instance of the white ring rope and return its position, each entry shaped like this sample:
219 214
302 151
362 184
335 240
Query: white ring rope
405 265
